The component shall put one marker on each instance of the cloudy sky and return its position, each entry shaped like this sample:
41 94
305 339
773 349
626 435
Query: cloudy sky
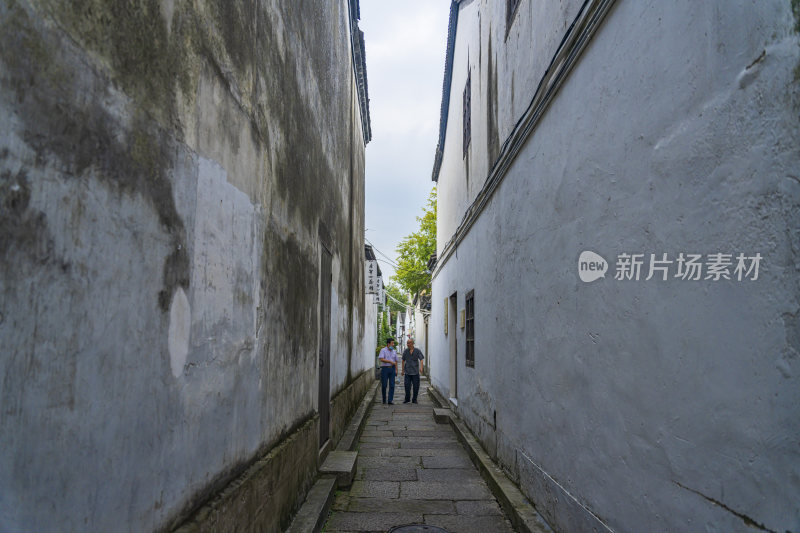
405 48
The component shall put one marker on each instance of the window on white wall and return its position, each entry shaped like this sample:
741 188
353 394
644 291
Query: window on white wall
470 327
511 10
467 122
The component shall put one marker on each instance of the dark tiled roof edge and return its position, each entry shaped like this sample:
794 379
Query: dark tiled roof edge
448 77
360 66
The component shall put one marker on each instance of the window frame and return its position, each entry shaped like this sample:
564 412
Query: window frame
466 113
512 6
469 308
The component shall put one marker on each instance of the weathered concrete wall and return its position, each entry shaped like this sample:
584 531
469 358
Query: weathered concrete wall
344 404
650 405
505 68
267 495
419 330
166 169
370 340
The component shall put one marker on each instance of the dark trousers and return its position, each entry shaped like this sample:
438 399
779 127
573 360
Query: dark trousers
387 374
409 381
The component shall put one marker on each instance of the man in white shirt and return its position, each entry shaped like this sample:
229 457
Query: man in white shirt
388 358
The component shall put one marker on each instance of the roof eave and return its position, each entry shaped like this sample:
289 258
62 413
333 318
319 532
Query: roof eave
448 78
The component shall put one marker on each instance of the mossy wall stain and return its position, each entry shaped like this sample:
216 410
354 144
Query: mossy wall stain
23 231
64 65
62 122
290 289
492 133
132 37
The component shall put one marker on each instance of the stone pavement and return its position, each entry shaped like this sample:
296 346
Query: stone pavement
413 471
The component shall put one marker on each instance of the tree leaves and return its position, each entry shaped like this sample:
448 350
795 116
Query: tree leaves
414 251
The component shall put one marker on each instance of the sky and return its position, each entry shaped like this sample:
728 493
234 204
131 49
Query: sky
405 48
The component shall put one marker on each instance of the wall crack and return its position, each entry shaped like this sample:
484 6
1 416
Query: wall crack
743 517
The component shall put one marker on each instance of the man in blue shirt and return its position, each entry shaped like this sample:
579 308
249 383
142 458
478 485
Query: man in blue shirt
388 358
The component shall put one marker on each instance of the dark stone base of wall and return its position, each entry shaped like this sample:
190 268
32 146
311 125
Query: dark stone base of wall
561 510
346 402
266 496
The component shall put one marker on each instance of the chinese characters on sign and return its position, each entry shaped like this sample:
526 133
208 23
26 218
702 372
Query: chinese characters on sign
684 266
690 267
373 281
380 297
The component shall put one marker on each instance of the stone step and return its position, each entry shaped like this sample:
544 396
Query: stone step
314 511
438 399
442 416
341 465
349 439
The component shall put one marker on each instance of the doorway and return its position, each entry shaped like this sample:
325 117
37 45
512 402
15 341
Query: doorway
427 354
451 328
324 400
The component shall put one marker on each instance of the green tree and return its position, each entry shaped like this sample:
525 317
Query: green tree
384 331
414 251
396 299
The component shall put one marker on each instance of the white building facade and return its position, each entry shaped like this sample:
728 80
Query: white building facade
626 129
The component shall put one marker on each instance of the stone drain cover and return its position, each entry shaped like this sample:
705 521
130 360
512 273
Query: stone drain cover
417 528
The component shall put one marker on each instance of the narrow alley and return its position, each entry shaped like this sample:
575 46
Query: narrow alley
411 470
223 222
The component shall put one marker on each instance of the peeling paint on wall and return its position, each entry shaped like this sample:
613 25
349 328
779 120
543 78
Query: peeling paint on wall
179 329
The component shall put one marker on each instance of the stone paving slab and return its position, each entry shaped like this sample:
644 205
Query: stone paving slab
470 524
341 501
375 489
391 440
372 521
412 470
378 433
440 461
447 474
368 505
478 508
418 452
378 445
425 438
420 433
411 443
390 473
433 490
377 462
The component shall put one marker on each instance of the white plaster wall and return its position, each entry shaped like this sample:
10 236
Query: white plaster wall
438 356
370 338
117 414
519 59
642 403
419 329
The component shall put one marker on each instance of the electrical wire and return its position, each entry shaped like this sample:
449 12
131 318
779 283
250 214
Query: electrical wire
391 262
404 304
